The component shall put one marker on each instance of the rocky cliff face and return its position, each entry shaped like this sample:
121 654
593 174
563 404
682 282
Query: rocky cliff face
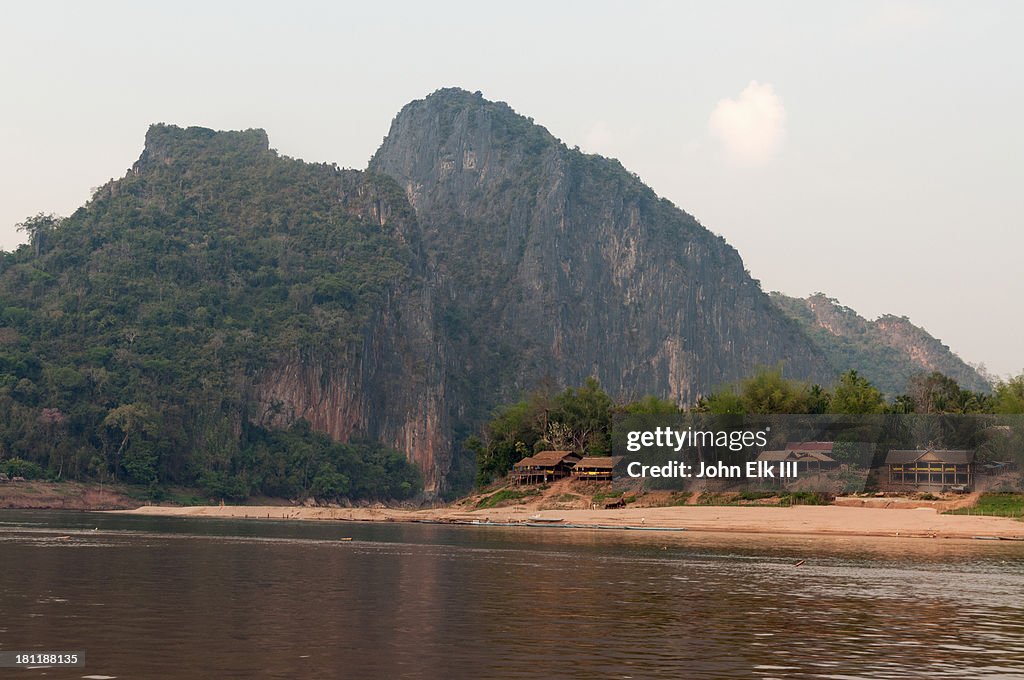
550 262
388 385
888 351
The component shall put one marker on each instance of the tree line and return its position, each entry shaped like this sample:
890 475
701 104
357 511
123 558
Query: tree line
580 419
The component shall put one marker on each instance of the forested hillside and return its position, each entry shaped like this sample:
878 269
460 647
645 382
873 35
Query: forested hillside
889 350
133 334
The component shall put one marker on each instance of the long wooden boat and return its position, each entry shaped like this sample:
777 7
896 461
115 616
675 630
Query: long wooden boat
548 520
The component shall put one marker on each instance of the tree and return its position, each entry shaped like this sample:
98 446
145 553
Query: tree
1008 396
559 437
577 419
586 411
818 399
726 402
902 405
328 483
135 425
39 228
938 393
652 406
768 392
53 422
855 394
514 430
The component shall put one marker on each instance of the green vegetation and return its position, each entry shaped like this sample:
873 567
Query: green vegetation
131 332
602 496
769 392
179 496
997 504
580 419
937 393
785 498
715 499
755 495
853 481
575 419
878 350
855 394
506 496
805 498
1008 396
16 467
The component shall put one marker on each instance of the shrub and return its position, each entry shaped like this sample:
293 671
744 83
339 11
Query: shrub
221 485
504 496
16 467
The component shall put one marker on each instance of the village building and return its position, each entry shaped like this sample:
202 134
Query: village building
930 468
998 467
598 468
543 467
809 456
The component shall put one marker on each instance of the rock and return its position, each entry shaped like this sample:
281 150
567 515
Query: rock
549 262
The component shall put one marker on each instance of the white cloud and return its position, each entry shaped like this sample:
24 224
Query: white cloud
752 126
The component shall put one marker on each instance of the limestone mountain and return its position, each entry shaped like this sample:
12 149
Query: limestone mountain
887 351
218 287
550 262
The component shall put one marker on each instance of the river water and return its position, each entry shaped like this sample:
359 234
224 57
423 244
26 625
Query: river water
147 597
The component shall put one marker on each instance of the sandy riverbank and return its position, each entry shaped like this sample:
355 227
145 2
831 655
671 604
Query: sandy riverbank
812 520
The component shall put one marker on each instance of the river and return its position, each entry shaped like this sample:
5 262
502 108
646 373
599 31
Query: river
152 597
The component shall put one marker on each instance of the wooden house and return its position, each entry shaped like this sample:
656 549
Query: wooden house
543 467
809 456
930 468
595 468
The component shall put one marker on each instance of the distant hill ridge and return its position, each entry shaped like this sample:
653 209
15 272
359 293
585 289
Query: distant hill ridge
887 351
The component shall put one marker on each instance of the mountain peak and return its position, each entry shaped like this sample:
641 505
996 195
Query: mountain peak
166 144
453 129
455 95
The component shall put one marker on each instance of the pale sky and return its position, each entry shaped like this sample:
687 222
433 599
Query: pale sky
868 150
